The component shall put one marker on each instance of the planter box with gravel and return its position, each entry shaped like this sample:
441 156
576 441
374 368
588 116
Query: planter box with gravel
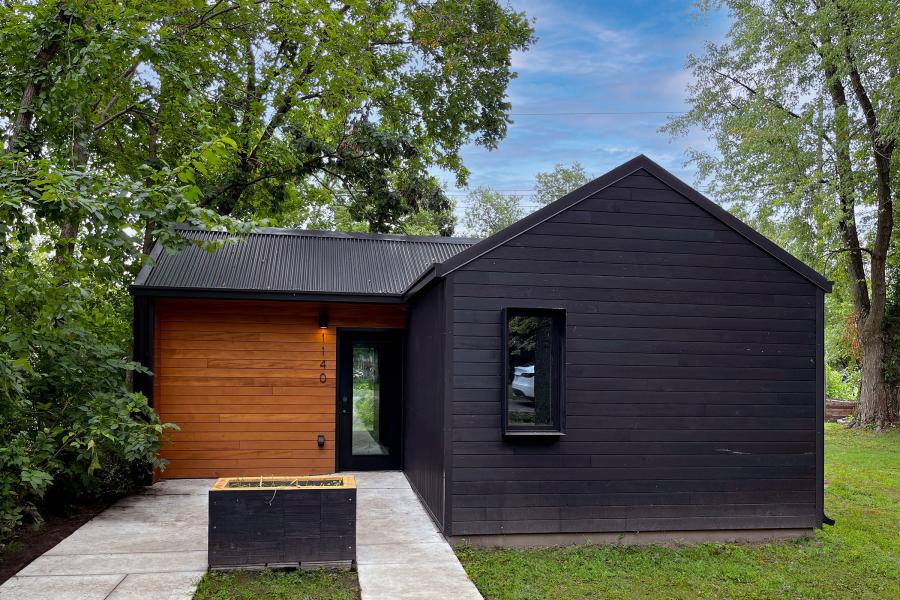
257 522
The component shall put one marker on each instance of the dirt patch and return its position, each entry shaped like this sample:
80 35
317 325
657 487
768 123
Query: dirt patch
32 541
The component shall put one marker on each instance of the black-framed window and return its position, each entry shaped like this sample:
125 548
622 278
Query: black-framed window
534 368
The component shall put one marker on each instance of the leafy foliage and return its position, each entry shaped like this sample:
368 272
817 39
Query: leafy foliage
488 211
553 185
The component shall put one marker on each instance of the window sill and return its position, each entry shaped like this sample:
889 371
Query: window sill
533 434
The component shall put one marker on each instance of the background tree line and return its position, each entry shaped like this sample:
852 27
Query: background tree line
123 120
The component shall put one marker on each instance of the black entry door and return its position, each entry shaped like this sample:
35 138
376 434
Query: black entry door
370 385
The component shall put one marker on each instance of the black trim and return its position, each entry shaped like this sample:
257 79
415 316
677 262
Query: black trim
274 295
634 165
558 344
143 320
820 406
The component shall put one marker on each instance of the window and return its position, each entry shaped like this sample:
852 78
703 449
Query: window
534 362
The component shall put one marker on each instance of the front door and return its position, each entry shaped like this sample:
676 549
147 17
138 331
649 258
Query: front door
369 390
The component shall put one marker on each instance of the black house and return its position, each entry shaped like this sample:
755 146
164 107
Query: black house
629 360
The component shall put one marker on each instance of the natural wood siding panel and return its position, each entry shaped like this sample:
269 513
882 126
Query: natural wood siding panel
690 376
241 379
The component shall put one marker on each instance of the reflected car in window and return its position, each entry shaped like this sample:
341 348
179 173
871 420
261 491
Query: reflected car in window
523 381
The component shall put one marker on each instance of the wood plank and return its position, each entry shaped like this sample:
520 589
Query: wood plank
207 472
191 426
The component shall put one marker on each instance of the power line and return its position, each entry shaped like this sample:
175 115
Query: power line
598 113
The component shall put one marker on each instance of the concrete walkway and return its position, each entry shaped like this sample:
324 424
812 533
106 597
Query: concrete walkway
153 546
148 546
400 553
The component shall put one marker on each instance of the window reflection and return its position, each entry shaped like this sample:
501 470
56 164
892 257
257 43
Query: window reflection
531 369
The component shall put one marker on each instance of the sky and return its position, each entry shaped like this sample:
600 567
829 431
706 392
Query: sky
595 57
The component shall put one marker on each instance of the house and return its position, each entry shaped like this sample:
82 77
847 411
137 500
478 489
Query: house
631 358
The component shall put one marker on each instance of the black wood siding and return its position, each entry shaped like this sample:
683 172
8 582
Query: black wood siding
423 447
691 376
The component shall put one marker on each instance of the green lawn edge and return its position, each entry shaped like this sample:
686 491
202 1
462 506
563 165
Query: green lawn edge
321 584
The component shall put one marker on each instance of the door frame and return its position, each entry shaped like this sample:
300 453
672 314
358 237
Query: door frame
400 337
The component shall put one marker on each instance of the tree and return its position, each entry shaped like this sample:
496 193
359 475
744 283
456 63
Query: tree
803 103
553 185
358 98
489 211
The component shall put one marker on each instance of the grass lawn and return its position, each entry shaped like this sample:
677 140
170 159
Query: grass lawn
857 558
278 585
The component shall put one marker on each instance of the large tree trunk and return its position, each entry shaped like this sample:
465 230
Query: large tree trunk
877 398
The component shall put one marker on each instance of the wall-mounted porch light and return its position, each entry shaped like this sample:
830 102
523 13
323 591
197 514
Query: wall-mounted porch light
323 319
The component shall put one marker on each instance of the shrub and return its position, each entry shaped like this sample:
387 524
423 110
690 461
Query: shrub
68 422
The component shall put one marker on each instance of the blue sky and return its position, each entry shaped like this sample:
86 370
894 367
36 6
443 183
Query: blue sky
592 57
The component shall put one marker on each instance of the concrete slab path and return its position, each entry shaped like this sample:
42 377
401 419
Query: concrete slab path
153 546
148 546
400 553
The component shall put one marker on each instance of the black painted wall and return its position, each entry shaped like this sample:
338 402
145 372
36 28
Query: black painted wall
691 376
423 447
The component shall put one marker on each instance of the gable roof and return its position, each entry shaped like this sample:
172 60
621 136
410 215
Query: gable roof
631 167
296 262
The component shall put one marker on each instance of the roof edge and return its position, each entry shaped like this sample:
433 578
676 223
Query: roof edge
394 237
229 294
608 179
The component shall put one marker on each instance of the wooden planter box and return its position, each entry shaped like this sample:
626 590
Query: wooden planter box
282 521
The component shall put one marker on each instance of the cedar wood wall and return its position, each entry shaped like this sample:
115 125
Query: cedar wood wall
691 376
242 381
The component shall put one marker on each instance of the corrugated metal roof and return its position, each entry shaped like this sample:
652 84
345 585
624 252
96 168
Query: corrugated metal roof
298 261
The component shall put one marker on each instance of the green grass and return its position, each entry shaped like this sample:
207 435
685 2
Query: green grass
278 585
857 558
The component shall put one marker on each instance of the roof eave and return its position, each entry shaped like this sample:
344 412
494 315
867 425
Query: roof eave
234 294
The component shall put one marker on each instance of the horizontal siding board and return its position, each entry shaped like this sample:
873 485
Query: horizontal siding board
505 280
677 257
631 499
704 273
670 409
607 307
633 524
652 435
573 513
707 361
648 294
642 180
464 396
512 487
531 245
654 334
633 461
621 219
644 422
618 448
587 369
